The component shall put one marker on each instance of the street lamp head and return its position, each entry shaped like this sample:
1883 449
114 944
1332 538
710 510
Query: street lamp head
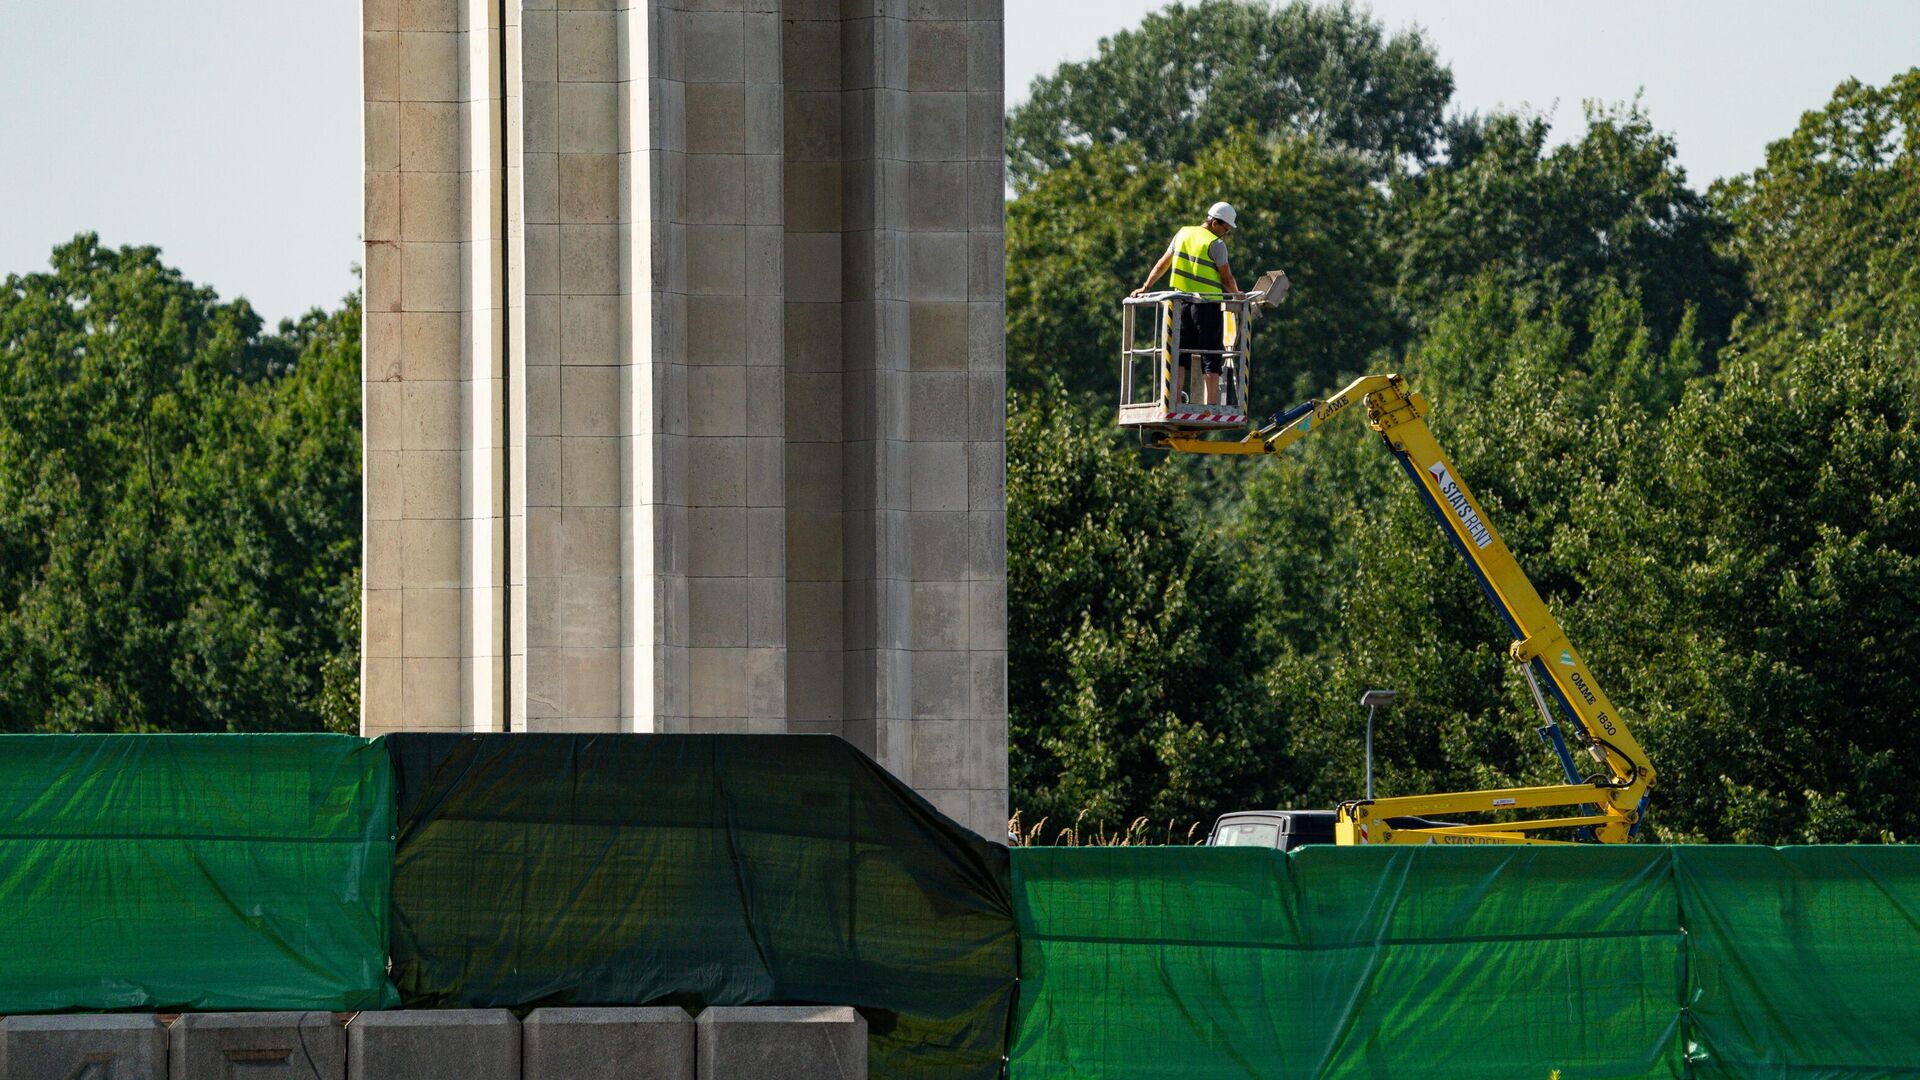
1371 700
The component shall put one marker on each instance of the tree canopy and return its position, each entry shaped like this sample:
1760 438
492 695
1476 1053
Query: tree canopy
1565 224
1189 75
1131 686
1691 414
179 504
1827 224
1302 206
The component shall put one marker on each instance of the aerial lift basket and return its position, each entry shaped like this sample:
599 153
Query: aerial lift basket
1150 353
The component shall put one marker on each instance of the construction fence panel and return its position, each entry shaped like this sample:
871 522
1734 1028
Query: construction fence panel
1805 961
248 872
551 869
194 872
1153 962
1475 961
1456 961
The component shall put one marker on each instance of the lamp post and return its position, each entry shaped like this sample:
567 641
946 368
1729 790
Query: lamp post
1373 699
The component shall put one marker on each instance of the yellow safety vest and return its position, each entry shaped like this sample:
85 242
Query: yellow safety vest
1193 270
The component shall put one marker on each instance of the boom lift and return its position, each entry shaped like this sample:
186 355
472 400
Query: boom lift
1605 806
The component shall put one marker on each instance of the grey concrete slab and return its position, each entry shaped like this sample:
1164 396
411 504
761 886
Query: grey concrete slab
782 1043
257 1046
110 1047
434 1044
607 1044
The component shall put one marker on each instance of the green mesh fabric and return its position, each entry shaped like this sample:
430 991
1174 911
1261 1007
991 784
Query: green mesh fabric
193 872
1805 960
254 872
1456 961
700 870
1152 961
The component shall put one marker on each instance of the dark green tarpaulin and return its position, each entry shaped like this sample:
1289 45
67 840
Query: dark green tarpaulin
1409 961
703 870
1805 961
177 872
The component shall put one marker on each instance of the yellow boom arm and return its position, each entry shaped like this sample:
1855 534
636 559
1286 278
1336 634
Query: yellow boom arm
1609 805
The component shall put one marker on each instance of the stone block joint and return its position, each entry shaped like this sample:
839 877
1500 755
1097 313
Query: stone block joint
685 376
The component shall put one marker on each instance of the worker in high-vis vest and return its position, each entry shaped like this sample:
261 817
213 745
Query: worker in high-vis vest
1198 259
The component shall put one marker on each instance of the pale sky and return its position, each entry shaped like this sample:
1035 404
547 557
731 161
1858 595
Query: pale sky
225 131
228 131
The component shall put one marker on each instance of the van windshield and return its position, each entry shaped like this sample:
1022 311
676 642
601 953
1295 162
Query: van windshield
1249 834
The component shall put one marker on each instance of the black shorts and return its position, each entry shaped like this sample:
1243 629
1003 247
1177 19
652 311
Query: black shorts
1202 326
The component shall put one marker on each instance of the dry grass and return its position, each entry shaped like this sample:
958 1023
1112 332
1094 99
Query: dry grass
1139 833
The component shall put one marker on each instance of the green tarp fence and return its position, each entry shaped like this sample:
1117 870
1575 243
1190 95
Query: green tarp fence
181 872
193 872
1468 962
1803 962
1231 962
700 870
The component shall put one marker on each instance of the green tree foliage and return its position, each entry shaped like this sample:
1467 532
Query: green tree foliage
1188 75
1303 207
1534 420
1692 419
1757 582
1564 225
1828 223
1133 686
1707 558
179 502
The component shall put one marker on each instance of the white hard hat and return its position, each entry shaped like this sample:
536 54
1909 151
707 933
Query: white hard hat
1223 211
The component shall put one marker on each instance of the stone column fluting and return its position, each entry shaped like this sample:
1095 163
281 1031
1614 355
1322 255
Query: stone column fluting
685 394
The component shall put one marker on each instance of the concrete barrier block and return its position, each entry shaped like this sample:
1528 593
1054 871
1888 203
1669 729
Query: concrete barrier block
434 1044
258 1046
782 1043
607 1044
111 1047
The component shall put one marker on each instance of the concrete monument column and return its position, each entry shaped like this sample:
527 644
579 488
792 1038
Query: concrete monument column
685 374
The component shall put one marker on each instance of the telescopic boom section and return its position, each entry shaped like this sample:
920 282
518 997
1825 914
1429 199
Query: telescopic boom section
1605 806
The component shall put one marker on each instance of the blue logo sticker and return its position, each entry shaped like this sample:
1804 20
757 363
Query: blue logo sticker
1566 657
